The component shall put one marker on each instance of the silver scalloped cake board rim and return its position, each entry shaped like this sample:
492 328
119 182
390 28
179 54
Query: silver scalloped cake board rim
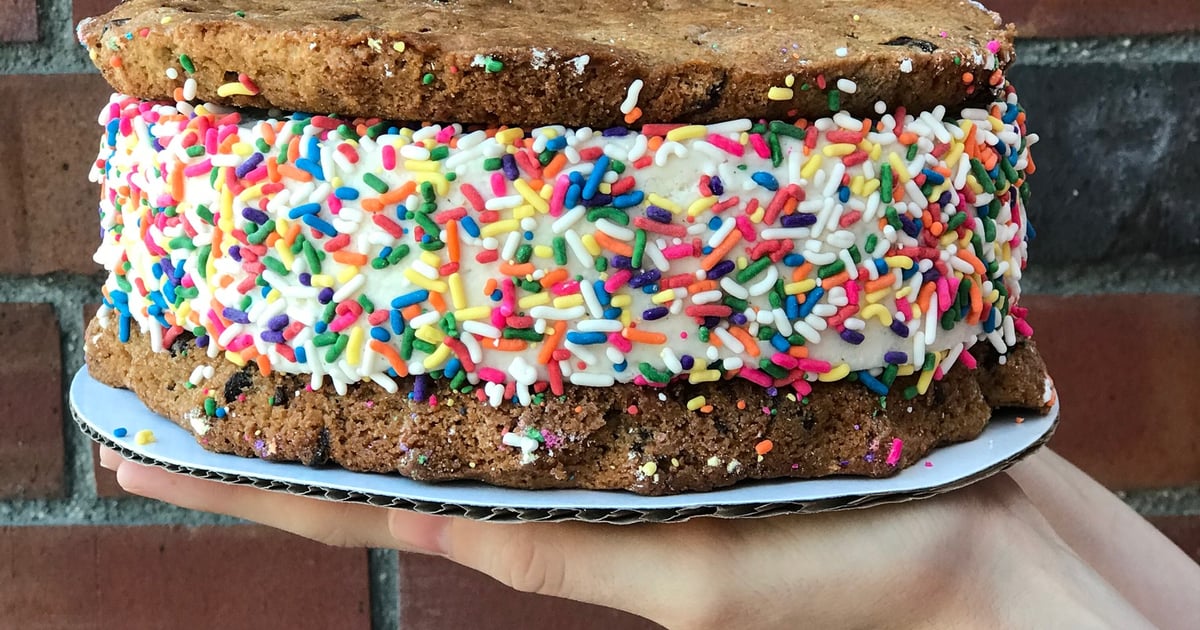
99 409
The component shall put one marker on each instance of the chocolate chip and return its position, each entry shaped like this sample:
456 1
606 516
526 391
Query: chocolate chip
913 42
181 343
320 454
280 399
236 385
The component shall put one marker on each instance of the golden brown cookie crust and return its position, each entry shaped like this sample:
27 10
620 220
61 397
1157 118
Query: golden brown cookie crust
622 437
559 63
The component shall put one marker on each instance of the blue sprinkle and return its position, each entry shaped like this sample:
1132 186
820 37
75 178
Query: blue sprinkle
410 298
596 177
120 432
380 334
586 338
621 367
312 221
346 193
631 198
844 194
306 209
612 313
312 149
615 132
766 180
319 327
301 355
123 327
810 301
312 168
601 293
452 368
714 223
872 383
221 412
528 236
793 260
471 227
780 343
933 177
112 128
572 197
557 144
791 307
397 322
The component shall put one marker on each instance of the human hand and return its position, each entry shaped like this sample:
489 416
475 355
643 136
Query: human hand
982 556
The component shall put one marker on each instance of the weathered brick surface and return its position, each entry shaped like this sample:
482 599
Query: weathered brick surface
1098 18
1124 368
18 21
48 142
436 593
178 577
1115 161
31 420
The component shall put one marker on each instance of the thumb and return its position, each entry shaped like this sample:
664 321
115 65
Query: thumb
620 566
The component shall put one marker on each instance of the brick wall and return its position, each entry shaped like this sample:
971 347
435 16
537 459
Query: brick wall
1114 292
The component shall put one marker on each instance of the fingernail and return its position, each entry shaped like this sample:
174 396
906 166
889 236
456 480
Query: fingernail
110 459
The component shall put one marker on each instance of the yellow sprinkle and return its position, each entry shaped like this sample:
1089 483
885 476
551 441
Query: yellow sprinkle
590 244
536 299
997 125
281 225
803 286
741 262
704 376
838 150
878 295
622 300
993 296
904 292
605 188
778 93
898 262
878 311
165 20
437 286
899 170
398 46
695 403
226 220
144 437
856 185
473 312
441 185
322 280
185 309
810 167
242 149
875 153
235 358
426 166
524 210
649 468
500 227
273 296
662 297
458 295
439 356
946 239
906 370
234 88
430 333
700 205
923 381
838 373
347 274
529 195
285 253
955 152
687 132
509 136
626 318
354 346
251 193
543 251
664 203
789 80
758 215
431 259
869 187
375 44
567 301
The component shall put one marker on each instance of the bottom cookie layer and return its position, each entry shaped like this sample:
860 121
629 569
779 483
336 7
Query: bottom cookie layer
623 437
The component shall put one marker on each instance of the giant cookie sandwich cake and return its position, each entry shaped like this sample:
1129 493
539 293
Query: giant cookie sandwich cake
659 246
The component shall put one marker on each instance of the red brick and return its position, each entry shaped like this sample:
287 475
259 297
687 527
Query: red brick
1098 18
90 8
178 577
18 21
1182 530
436 593
48 142
1125 369
31 420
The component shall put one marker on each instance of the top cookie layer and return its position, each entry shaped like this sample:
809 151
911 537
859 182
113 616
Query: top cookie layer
535 62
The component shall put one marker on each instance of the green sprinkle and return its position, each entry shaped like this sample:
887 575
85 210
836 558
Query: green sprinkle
210 406
784 129
310 255
835 101
328 313
398 254
652 374
956 220
196 150
427 79
181 242
274 264
559 245
325 339
427 193
735 303
776 151
432 245
608 212
337 349
617 166
753 269
187 64
492 164
912 152
202 260
832 269
885 183
406 342
524 253
528 334
439 153
639 248
601 264
366 303
424 346
871 242
378 185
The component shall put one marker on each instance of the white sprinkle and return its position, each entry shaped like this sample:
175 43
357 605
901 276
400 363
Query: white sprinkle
847 86
580 63
631 96
599 325
588 379
842 52
906 66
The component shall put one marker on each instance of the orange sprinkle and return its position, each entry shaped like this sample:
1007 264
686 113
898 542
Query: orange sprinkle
291 172
550 342
177 181
552 169
411 311
643 336
611 244
701 286
350 258
800 352
489 287
518 269
293 152
273 171
632 116
741 404
393 357
654 143
801 272
764 447
721 250
271 238
927 291
225 280
452 244
267 132
437 301
264 364
835 280
554 277
292 232
747 340
976 304
975 263
908 137
372 204
506 345
968 77
115 61
396 195
880 283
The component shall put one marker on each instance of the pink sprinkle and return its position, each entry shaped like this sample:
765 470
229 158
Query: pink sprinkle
197 169
726 145
491 375
560 193
619 342
389 157
343 322
813 365
761 379
943 293
499 186
433 400
617 280
760 145
239 343
852 291
903 306
1023 327
802 387
968 359
742 222
673 252
894 456
993 46
784 360
474 197
928 464
570 287
335 204
445 134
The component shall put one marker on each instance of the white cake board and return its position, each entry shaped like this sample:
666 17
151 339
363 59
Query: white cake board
100 410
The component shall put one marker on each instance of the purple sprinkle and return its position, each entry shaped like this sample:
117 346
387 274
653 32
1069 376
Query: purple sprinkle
202 341
621 262
644 278
896 358
250 164
420 384
720 269
306 279
799 219
654 213
235 316
168 269
738 319
772 392
852 336
597 200
909 226
658 312
932 275
325 296
279 322
944 200
869 457
272 336
716 186
687 361
235 253
508 164
899 328
844 463
615 132
711 321
257 216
